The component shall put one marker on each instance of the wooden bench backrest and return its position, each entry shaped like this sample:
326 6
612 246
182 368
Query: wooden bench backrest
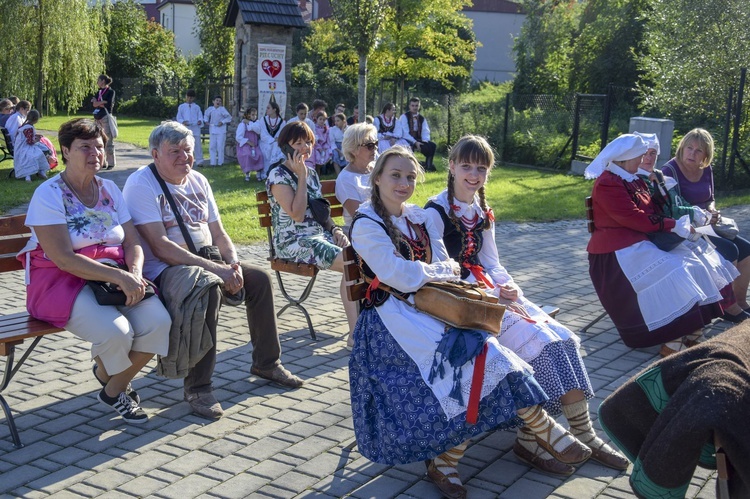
356 287
13 237
328 188
590 214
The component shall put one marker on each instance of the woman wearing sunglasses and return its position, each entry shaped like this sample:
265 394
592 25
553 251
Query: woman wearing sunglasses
359 146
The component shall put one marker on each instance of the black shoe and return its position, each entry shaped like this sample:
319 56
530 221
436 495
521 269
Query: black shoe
125 406
129 390
735 319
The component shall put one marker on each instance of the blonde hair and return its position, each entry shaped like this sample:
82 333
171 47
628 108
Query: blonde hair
704 140
471 149
377 202
356 135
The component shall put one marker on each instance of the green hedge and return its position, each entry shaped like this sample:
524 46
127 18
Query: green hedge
152 106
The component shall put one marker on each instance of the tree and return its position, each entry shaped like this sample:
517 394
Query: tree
53 60
140 48
544 47
217 41
696 50
422 39
360 21
609 45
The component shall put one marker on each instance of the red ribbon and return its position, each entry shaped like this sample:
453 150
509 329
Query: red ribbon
372 287
477 379
478 272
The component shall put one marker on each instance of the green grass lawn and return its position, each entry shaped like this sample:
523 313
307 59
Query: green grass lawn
515 194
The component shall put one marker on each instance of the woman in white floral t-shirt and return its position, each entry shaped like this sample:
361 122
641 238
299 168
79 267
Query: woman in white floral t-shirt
79 224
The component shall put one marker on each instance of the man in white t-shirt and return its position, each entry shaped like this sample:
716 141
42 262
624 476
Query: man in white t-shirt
171 147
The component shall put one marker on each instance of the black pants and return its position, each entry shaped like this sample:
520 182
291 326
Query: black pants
428 149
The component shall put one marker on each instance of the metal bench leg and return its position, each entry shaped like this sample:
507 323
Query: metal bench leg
11 371
297 302
600 317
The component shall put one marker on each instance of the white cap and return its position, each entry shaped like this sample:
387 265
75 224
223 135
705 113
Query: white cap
623 148
651 139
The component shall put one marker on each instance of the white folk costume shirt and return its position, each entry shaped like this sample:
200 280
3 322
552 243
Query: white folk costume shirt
216 115
417 333
268 144
408 122
192 114
308 121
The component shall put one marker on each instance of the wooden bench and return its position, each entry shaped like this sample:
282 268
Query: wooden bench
280 265
15 328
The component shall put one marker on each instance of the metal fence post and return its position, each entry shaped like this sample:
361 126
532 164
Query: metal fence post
576 125
450 105
505 126
727 125
607 113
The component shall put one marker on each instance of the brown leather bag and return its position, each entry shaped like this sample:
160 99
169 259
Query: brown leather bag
459 304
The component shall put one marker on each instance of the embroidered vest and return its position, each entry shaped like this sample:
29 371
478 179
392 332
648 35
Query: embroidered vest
415 132
462 244
383 128
418 249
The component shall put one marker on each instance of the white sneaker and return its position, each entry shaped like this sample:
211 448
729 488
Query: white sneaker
27 178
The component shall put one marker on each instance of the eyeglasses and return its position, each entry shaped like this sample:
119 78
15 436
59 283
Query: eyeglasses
370 145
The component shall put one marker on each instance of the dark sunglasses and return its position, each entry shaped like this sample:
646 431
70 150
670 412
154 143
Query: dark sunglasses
370 145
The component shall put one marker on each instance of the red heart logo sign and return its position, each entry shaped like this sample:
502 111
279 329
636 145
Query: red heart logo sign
271 68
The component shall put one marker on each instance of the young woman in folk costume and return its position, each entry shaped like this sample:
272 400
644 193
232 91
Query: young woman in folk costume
269 128
389 129
466 224
414 391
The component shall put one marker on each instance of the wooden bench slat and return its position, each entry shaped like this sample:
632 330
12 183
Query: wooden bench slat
292 267
356 292
264 209
13 245
12 225
9 263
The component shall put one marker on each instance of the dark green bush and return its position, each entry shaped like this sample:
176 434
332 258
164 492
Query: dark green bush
151 106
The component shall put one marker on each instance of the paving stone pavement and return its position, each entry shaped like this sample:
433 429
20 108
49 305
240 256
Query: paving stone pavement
278 443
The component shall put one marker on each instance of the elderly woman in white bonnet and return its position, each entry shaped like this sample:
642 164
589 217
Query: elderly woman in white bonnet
652 296
666 195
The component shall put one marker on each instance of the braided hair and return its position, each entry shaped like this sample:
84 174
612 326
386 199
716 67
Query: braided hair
377 202
471 149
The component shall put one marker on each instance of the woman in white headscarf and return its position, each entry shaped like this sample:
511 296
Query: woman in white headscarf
652 296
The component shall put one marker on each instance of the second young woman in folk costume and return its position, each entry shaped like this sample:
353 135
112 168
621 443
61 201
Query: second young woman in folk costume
467 227
414 397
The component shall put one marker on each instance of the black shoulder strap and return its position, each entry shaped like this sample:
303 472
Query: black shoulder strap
173 205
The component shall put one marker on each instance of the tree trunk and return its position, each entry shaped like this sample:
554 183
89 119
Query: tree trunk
362 88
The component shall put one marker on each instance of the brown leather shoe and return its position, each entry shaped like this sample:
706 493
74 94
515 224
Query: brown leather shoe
279 375
610 458
448 488
575 453
551 467
205 404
